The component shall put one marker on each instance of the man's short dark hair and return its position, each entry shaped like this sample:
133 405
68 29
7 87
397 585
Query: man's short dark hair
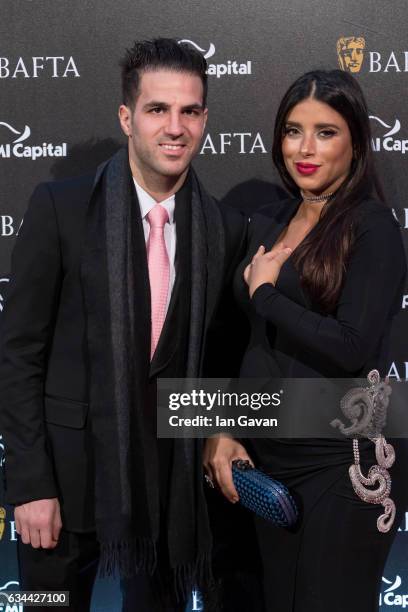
159 54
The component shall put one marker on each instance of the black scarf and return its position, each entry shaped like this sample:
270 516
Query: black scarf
117 303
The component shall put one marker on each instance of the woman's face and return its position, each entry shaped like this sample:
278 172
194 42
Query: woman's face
317 147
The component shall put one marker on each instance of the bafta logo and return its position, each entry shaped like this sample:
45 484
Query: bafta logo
2 521
350 53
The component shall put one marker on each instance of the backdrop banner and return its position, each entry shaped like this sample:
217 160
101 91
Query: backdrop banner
60 92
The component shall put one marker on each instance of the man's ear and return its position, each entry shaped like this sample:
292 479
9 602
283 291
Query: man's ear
125 118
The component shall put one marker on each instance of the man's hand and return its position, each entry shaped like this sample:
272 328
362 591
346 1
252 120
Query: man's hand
219 453
265 267
39 522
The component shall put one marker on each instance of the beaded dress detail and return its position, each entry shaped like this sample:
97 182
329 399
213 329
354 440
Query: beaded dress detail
366 408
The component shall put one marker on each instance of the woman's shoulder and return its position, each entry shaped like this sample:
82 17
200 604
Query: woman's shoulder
376 230
372 214
373 208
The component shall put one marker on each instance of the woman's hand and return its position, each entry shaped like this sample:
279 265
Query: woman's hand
219 453
265 267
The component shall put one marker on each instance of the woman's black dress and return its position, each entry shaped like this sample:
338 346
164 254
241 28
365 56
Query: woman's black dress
334 560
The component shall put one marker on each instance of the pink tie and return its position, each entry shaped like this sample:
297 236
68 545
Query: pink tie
159 271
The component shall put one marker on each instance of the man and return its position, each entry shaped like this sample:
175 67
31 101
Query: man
115 279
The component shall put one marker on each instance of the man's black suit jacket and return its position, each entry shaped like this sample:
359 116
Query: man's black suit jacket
44 378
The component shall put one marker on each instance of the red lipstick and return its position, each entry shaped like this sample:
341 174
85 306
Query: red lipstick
306 168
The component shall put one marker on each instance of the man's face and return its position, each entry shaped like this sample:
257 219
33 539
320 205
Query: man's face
353 55
166 125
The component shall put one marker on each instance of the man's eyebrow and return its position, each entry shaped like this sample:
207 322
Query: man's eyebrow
164 105
155 104
195 106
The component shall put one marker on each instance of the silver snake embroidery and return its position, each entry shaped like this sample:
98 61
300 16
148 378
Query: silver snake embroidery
366 409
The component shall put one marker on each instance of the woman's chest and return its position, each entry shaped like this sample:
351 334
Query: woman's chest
289 280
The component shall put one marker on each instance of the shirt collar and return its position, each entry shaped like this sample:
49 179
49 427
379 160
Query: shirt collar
146 202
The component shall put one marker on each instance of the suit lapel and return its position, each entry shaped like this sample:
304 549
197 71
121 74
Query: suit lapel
95 262
208 260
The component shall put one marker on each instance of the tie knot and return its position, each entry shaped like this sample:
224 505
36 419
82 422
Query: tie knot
158 216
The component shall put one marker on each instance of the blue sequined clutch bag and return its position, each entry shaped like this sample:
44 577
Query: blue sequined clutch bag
263 495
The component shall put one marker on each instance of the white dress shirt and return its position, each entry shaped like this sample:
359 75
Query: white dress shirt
146 203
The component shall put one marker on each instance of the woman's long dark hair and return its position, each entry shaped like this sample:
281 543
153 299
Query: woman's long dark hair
322 257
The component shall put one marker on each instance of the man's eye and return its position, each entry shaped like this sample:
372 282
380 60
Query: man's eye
157 110
191 112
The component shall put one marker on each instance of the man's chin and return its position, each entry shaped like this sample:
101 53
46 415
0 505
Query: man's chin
173 169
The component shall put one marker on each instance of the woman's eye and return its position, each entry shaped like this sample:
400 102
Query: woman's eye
291 131
327 133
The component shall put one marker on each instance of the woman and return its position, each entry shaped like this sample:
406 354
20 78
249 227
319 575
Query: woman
321 283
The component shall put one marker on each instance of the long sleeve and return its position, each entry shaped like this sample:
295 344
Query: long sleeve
27 325
373 281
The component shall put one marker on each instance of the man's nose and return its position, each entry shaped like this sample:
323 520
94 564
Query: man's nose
307 145
174 126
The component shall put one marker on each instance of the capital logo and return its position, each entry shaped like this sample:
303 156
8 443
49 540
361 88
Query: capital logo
55 66
207 54
350 53
20 135
394 585
11 583
389 597
16 148
2 281
387 142
5 606
229 67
